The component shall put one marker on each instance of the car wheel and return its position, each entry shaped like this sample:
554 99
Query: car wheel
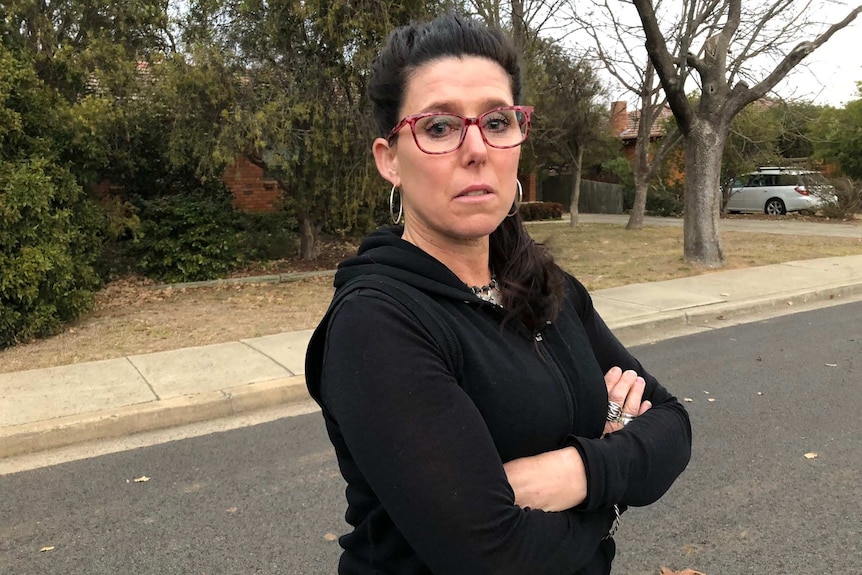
775 207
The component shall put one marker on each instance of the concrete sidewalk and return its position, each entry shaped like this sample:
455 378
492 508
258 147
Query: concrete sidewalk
55 407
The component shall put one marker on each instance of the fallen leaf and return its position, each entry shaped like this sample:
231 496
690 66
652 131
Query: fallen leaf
44 549
810 455
706 392
687 399
831 364
759 393
666 571
724 294
720 317
711 399
790 303
141 479
330 537
231 509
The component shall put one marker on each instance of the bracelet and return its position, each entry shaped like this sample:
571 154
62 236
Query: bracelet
615 525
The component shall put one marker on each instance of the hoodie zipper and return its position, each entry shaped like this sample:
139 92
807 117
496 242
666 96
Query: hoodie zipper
547 355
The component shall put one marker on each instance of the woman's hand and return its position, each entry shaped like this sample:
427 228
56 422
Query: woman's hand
551 481
625 388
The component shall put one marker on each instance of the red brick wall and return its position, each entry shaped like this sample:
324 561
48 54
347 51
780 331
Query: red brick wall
251 192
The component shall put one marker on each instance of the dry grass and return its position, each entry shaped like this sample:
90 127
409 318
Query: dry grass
131 318
604 255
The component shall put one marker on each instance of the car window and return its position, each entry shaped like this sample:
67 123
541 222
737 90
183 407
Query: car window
754 180
788 180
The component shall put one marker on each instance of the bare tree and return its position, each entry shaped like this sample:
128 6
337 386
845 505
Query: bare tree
618 45
733 41
527 19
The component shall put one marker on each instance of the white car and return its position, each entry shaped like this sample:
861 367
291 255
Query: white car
776 191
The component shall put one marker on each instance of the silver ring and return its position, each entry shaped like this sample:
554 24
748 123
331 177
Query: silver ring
626 418
615 410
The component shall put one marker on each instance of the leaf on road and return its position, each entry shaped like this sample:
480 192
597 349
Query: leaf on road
687 399
141 479
331 537
706 392
831 364
44 549
810 455
231 509
710 399
666 571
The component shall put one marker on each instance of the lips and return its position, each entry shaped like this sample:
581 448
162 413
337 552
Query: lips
475 191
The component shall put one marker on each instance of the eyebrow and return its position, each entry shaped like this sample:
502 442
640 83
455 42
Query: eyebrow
448 106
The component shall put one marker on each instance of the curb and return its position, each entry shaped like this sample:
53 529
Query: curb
162 414
151 416
716 316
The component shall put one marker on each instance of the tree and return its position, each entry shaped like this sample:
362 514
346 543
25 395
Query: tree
730 39
615 45
49 229
566 91
296 73
837 136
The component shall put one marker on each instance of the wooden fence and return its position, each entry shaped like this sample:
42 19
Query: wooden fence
596 197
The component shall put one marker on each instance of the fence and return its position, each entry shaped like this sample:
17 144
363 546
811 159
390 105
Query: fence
595 198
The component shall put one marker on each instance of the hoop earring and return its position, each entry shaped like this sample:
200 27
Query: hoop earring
520 199
395 219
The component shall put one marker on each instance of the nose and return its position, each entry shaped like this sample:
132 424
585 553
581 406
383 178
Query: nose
474 145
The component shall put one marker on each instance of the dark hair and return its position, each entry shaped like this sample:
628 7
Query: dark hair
411 46
533 285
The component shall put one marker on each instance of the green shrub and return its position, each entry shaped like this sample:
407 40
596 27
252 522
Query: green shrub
50 239
665 201
536 211
189 236
268 236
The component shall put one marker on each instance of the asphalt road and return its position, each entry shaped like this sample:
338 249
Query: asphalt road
263 499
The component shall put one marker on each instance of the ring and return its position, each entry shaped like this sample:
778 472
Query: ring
626 418
615 410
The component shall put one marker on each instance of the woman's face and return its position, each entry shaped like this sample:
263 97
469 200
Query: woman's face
463 195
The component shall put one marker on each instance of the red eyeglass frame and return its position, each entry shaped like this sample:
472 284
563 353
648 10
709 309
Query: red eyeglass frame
411 121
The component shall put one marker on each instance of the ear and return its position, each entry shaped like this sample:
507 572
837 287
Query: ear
386 160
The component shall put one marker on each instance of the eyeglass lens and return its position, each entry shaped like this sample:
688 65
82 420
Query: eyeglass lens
442 133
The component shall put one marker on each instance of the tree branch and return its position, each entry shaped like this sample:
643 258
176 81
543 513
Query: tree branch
674 85
741 96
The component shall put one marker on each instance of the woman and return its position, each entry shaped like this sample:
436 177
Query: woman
459 370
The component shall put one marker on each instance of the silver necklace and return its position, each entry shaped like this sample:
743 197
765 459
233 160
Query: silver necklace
489 292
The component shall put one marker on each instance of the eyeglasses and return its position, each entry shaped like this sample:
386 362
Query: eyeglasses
437 133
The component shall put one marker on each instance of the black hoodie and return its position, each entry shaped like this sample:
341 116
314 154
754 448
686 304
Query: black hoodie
426 391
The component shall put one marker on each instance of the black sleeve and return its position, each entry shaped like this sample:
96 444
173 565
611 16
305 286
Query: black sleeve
423 447
638 464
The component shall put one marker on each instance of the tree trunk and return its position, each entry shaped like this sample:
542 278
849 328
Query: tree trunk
636 218
703 150
576 187
308 233
641 180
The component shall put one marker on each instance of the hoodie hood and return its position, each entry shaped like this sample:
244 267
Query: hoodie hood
383 252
